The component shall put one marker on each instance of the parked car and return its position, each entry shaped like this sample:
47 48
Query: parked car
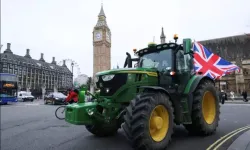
25 96
55 98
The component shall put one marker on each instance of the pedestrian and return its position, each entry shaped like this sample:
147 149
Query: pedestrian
223 96
232 95
244 94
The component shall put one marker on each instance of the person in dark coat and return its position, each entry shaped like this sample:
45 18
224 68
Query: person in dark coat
244 94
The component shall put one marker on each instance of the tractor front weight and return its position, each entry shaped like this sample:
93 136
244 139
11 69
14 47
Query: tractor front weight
91 113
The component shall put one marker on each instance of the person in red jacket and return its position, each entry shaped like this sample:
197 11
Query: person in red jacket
72 96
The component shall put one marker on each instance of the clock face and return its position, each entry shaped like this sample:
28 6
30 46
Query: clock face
98 35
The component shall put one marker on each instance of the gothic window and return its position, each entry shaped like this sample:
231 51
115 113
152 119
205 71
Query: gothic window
5 70
103 60
5 65
11 66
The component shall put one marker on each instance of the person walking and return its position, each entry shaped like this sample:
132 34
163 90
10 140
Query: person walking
244 94
232 95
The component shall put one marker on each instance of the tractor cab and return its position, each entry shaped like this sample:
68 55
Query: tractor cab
173 62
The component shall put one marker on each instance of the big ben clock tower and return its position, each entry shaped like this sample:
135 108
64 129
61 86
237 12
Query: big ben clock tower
102 44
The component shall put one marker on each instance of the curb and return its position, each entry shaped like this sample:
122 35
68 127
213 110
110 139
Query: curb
242 142
237 102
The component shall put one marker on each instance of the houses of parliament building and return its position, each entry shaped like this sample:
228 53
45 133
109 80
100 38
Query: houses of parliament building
35 75
235 49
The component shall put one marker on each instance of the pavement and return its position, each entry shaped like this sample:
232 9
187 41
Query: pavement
242 142
33 126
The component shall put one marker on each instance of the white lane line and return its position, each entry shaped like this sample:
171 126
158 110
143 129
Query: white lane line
26 105
33 104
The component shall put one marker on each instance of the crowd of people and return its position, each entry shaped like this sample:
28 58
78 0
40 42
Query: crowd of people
223 96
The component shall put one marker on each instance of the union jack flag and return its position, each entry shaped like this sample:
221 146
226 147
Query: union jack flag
208 64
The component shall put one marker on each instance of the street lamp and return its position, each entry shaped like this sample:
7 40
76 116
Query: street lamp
1 48
218 53
1 58
72 66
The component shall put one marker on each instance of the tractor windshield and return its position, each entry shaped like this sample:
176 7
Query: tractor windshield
161 60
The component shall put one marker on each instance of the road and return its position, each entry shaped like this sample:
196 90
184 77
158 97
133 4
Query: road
29 126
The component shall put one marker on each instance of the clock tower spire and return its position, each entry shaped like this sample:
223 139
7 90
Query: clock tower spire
101 44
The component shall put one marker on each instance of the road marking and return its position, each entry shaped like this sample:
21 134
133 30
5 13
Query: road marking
227 137
23 105
230 137
239 104
33 104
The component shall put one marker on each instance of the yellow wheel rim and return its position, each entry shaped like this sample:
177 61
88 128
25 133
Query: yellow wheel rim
208 107
159 123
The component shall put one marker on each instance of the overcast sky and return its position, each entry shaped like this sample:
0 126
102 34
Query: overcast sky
63 28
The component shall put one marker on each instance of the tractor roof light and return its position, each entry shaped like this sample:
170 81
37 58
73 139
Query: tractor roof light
151 44
176 36
134 50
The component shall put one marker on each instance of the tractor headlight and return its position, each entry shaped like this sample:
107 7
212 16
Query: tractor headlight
90 112
107 90
108 77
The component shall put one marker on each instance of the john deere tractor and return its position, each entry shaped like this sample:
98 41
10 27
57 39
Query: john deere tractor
147 100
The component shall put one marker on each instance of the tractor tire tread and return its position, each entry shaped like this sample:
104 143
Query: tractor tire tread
199 126
136 120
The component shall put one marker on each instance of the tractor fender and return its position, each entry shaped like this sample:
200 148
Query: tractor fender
197 80
156 88
192 85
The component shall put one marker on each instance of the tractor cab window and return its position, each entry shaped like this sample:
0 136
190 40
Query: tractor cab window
161 60
182 61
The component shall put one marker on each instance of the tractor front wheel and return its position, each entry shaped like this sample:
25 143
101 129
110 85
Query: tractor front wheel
149 121
206 110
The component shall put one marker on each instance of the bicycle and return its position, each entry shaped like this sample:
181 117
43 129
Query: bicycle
57 112
63 107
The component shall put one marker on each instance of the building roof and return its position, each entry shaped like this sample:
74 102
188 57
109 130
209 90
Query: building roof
162 33
102 19
102 12
21 60
230 39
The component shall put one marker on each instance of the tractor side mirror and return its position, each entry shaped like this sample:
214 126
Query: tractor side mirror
187 46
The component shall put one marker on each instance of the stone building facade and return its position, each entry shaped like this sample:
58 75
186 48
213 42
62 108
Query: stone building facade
36 76
101 44
235 49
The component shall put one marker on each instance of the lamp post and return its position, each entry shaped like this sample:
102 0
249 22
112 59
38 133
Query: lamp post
1 58
72 67
1 48
218 53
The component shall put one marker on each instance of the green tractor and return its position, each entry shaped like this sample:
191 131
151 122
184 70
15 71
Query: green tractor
148 100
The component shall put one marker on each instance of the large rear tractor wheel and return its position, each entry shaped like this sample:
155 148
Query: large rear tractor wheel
206 110
149 121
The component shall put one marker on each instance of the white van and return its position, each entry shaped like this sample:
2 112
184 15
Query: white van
25 96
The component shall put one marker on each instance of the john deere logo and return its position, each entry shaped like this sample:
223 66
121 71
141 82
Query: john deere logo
8 85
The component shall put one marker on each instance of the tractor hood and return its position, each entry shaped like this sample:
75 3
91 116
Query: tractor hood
128 70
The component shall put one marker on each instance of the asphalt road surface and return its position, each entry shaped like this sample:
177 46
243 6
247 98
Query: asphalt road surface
33 126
